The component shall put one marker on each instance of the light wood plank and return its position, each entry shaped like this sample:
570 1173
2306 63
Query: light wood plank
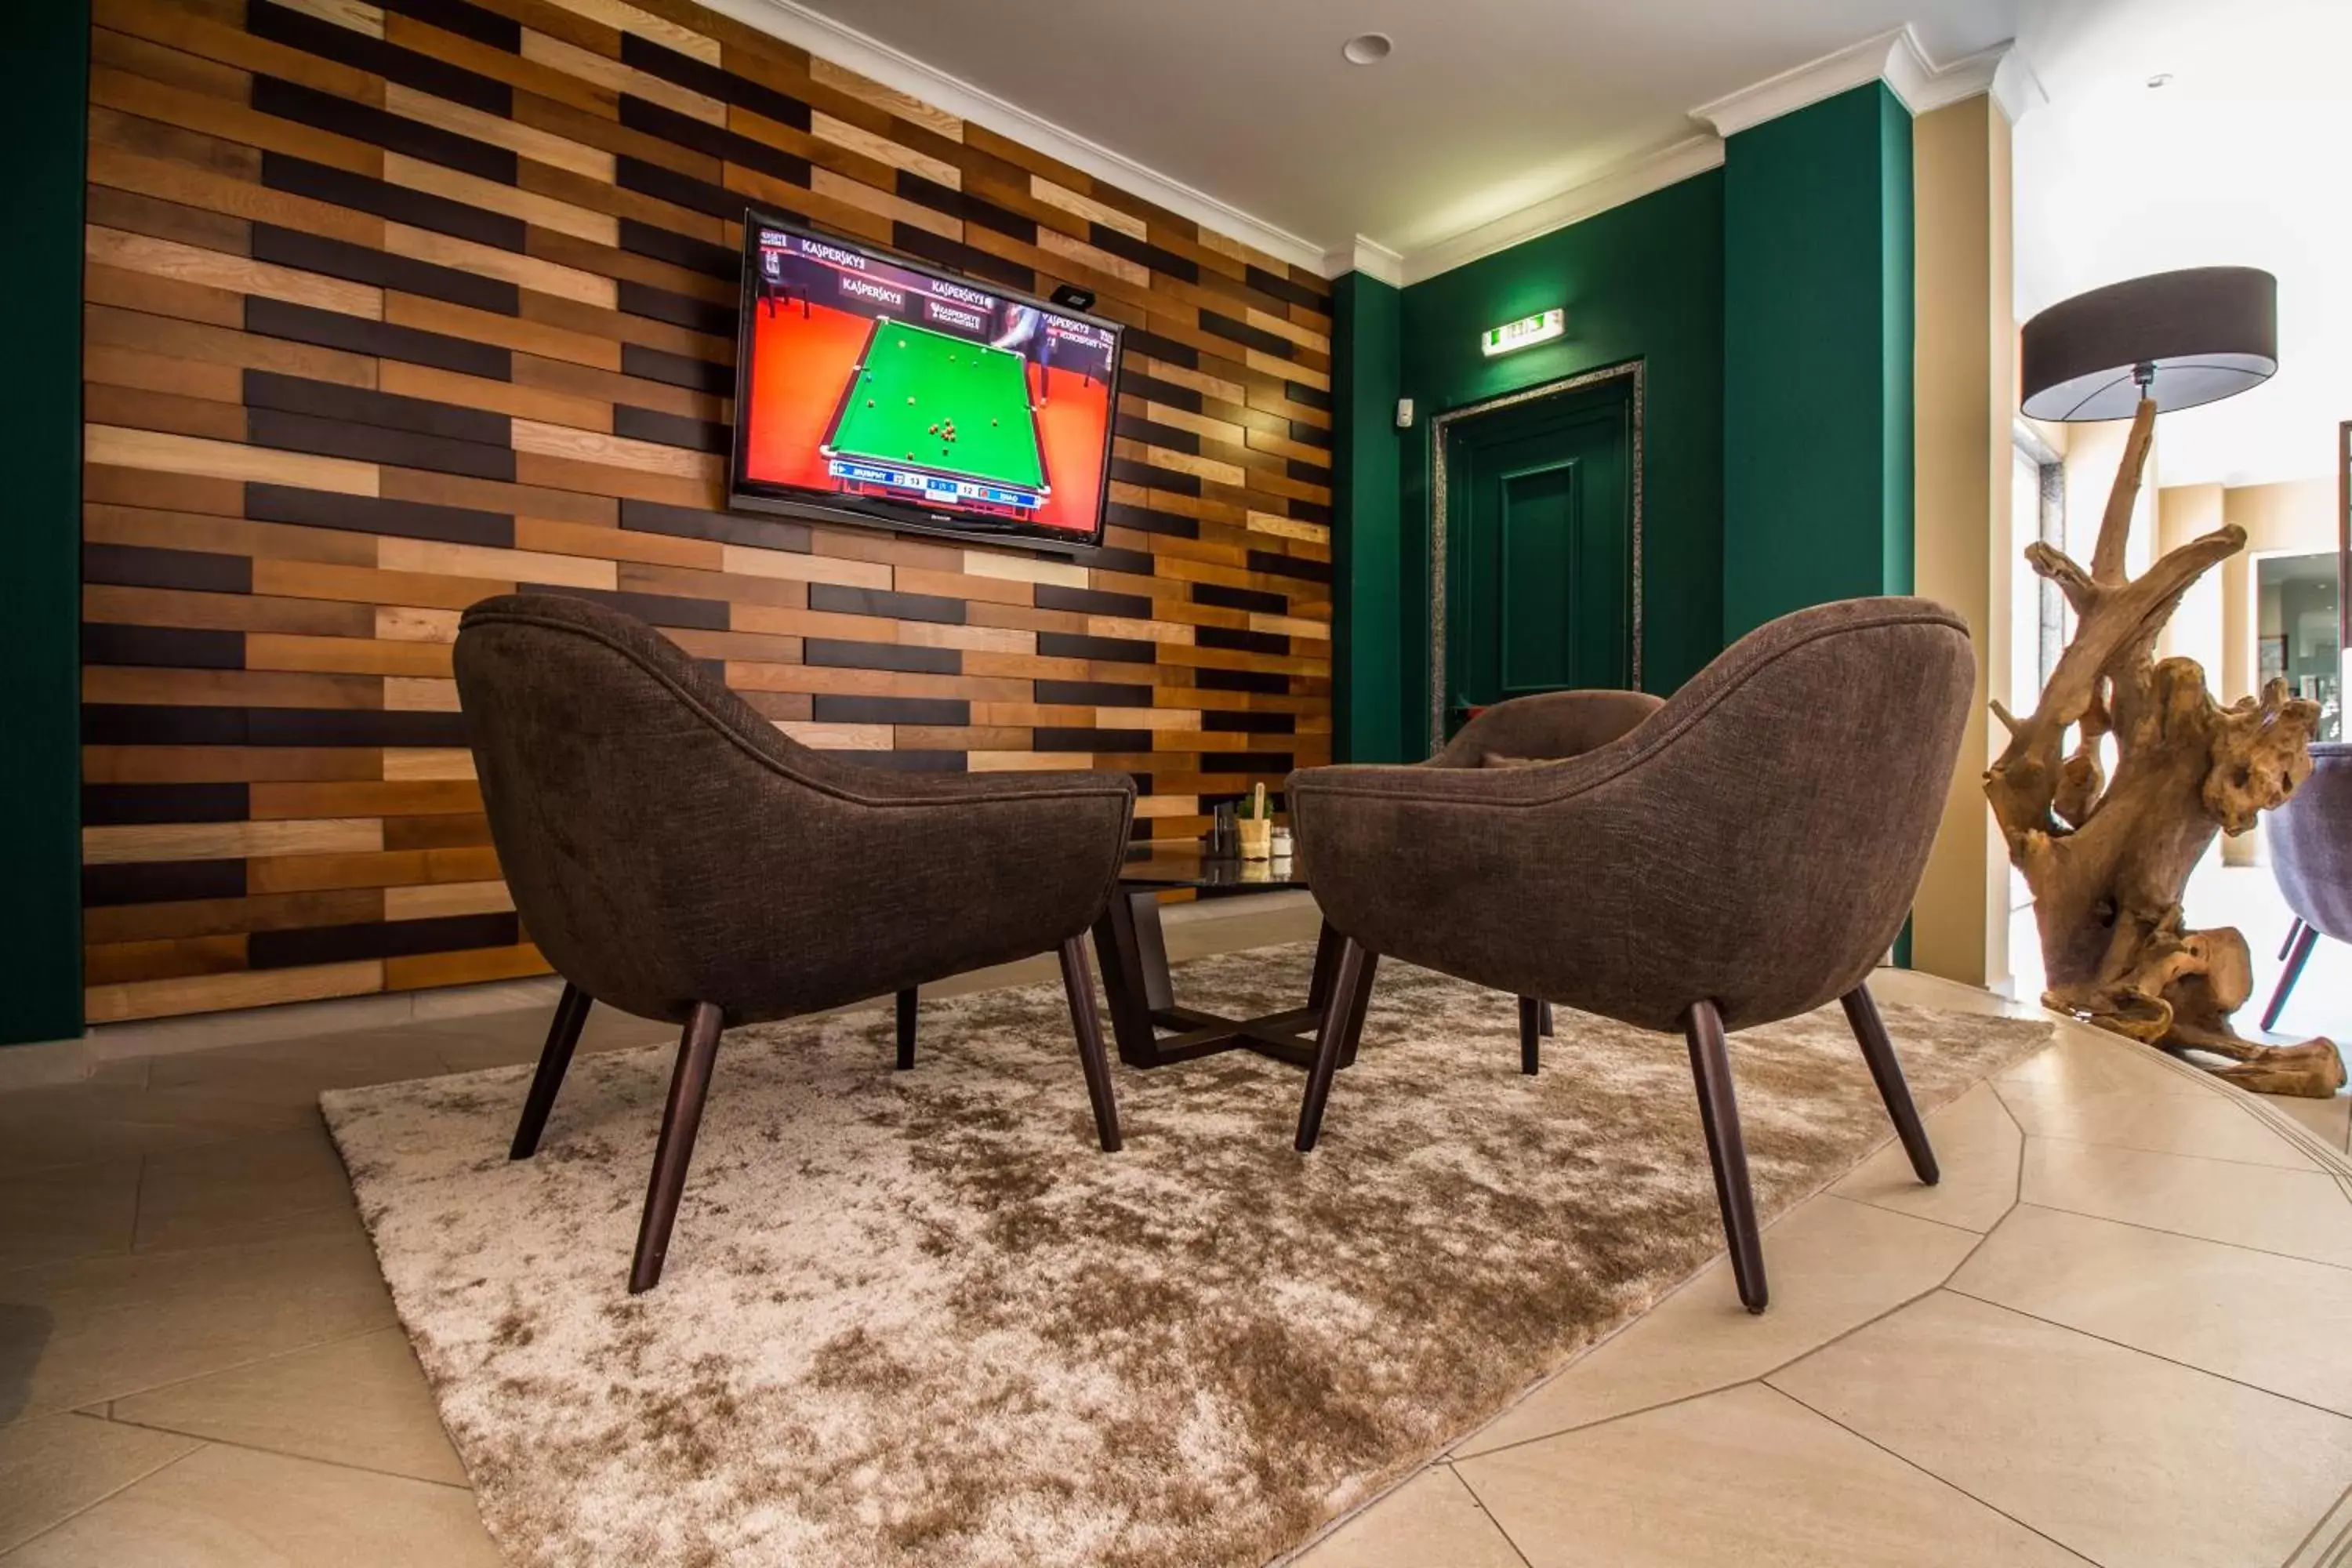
352 14
748 560
1087 208
417 763
489 261
430 901
215 993
837 737
856 193
623 18
540 146
612 76
240 274
1053 242
1289 528
129 843
416 175
616 451
413 694
488 562
1027 762
361 656
409 380
842 134
224 460
913 111
1022 568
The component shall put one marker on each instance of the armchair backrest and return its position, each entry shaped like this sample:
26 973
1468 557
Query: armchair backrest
622 780
2311 843
1802 777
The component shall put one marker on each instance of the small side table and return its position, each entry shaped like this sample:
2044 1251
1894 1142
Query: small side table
1133 951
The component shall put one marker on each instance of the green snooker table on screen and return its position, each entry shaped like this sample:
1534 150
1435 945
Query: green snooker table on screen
942 416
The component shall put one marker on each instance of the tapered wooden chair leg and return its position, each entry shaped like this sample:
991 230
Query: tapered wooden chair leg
2305 940
1543 1019
1530 1035
1079 983
554 1057
1360 1008
2293 930
1718 1112
906 1029
1345 1016
690 1084
1886 1071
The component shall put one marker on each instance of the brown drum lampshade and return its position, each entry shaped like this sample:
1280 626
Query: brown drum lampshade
2189 337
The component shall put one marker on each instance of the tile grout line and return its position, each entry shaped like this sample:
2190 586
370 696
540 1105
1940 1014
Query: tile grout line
467 1488
1688 1281
1489 1514
95 1502
1907 1213
109 1401
1756 1378
2142 1350
1940 1481
2305 1169
2184 1234
2312 1535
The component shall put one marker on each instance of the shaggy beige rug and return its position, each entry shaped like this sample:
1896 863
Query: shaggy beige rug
919 1318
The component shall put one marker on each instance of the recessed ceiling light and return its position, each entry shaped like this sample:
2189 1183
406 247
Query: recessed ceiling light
2161 78
1367 48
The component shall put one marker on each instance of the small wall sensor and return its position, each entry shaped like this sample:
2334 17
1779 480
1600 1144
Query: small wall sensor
1405 413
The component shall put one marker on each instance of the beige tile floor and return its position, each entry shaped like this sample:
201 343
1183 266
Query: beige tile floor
2119 1331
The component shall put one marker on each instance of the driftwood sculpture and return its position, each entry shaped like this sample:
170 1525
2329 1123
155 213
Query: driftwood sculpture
2108 858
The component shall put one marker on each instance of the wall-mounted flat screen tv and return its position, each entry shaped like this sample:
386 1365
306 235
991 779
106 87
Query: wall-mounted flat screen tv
871 388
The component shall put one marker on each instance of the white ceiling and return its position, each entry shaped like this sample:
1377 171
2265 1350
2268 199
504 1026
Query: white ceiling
2244 159
1486 107
1243 112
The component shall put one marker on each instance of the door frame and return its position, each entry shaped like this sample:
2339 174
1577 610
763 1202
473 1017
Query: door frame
1632 372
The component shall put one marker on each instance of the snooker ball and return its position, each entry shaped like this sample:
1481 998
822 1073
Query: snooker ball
991 422
869 402
935 429
910 403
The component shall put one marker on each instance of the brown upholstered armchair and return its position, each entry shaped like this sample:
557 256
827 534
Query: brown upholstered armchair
2311 855
1744 854
674 856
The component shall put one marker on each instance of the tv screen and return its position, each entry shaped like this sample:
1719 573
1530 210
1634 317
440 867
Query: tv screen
871 388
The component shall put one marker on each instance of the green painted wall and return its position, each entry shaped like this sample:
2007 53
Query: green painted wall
42 116
1640 281
1366 639
1817 332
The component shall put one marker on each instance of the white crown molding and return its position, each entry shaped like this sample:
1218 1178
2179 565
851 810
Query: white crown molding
1369 257
869 56
1872 59
1894 57
1614 187
2015 87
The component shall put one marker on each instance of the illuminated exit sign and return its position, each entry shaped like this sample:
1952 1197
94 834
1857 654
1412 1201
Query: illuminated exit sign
1525 331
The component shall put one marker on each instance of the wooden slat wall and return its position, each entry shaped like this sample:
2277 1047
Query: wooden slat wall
393 307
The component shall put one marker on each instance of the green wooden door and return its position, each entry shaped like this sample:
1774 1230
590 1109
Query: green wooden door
1540 549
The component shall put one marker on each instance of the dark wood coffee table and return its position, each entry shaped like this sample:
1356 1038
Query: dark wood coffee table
1133 952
